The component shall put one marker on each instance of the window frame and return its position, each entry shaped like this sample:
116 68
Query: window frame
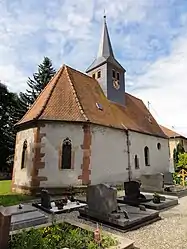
99 74
136 162
146 156
66 142
24 154
117 76
113 74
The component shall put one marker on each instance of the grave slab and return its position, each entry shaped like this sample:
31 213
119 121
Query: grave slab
151 205
28 219
104 208
25 209
136 217
72 206
58 206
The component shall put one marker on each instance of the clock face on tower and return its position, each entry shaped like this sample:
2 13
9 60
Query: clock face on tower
116 84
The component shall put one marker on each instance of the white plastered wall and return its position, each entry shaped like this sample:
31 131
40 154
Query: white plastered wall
159 159
55 134
22 177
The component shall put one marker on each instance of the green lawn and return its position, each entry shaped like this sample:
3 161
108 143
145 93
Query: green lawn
7 198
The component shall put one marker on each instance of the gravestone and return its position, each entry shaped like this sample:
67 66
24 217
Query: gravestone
5 221
103 208
132 189
168 178
45 199
152 183
102 198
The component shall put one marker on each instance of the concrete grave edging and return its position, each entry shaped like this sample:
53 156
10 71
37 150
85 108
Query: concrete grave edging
123 243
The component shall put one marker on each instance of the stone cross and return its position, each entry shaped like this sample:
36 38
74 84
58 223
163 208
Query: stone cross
5 222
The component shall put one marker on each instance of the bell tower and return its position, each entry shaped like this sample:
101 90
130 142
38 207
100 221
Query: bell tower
107 70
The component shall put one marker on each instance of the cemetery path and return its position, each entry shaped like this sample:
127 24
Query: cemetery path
168 233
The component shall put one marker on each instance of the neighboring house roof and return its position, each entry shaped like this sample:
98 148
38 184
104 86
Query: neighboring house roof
170 133
73 96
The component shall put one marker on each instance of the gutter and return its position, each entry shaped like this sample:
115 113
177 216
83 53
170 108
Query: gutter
128 153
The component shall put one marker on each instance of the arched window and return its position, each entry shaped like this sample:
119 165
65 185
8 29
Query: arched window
24 150
136 162
158 146
146 155
66 154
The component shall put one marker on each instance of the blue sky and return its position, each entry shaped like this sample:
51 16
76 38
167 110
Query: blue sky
149 38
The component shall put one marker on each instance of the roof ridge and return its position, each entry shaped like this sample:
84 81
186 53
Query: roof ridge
52 89
75 94
35 102
85 74
131 95
170 130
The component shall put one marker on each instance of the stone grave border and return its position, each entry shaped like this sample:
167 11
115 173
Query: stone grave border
123 243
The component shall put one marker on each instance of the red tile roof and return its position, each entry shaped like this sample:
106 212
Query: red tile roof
170 133
72 96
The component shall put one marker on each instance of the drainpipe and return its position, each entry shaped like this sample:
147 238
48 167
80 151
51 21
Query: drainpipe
128 153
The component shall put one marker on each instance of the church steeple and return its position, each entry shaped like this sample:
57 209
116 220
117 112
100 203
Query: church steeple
107 70
105 47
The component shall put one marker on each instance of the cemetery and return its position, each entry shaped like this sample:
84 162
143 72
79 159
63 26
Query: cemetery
103 207
154 201
163 184
42 219
57 206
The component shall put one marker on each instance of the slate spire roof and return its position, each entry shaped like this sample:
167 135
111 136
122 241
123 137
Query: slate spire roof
105 47
76 97
105 52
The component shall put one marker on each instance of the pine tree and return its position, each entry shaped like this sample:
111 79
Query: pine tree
36 85
178 150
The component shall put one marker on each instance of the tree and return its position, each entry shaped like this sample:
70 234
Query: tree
178 150
8 116
182 161
36 85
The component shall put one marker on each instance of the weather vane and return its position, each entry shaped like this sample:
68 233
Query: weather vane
104 14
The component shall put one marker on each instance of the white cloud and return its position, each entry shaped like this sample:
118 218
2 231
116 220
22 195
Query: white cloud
165 87
68 32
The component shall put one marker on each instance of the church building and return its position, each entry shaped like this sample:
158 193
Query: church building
85 129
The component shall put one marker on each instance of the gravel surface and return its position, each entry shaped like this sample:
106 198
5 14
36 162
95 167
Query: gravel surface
168 233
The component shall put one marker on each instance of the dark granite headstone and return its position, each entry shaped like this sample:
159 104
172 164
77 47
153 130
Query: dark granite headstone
102 198
132 189
45 199
132 193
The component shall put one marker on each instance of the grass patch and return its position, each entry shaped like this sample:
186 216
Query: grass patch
7 198
5 187
59 236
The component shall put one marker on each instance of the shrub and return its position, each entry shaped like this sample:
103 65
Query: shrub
58 236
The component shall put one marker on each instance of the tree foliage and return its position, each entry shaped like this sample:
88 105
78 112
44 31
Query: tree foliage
36 85
178 150
8 116
12 109
182 161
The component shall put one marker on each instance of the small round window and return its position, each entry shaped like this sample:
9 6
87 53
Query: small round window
158 146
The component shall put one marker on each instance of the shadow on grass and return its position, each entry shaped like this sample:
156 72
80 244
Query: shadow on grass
13 199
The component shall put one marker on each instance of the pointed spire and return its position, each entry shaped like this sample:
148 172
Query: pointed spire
105 47
105 52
